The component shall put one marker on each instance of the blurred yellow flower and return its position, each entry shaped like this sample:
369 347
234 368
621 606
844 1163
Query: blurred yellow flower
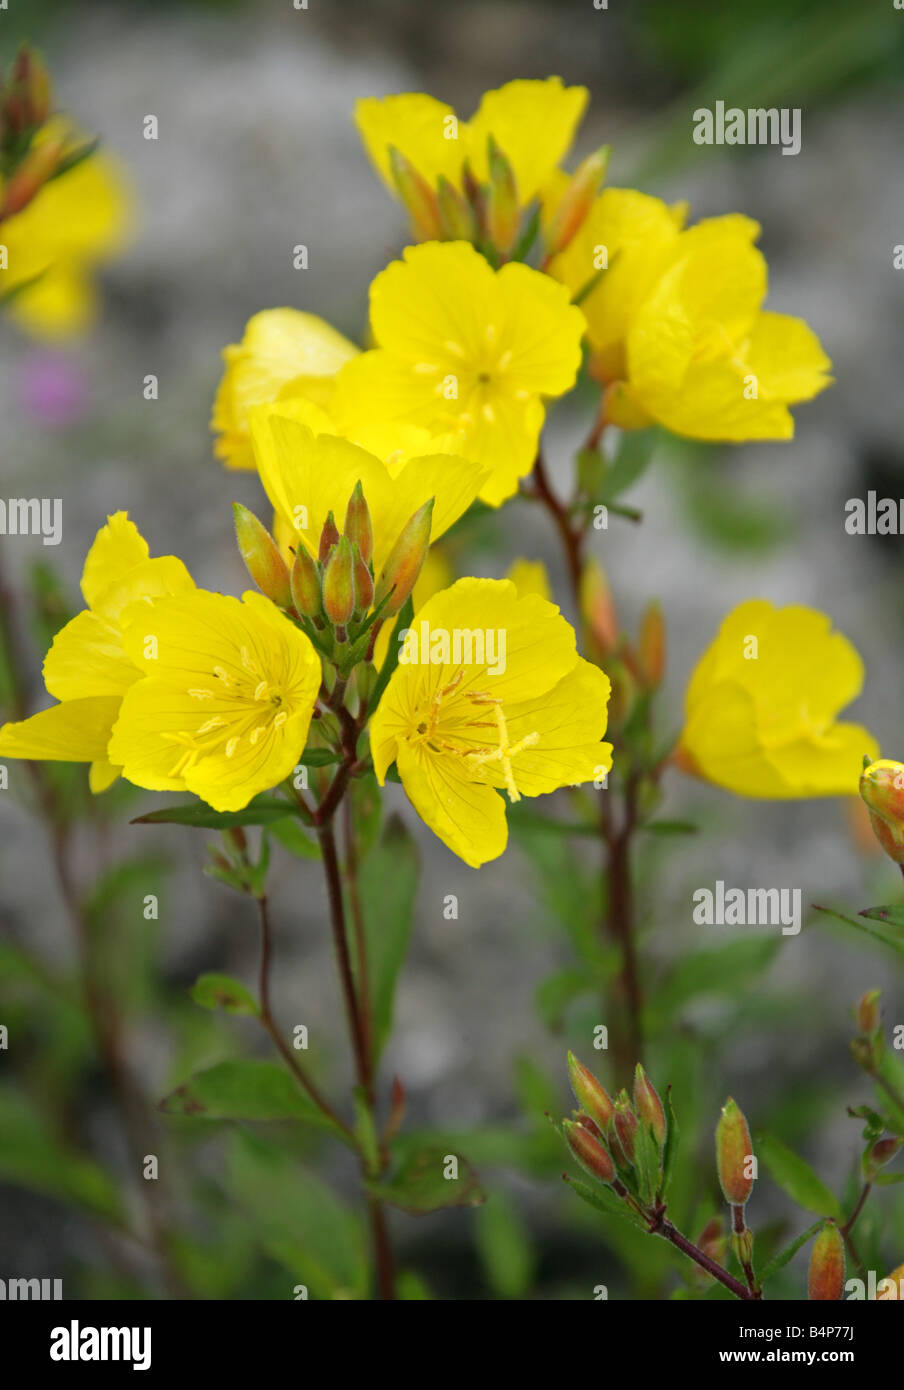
464 349
225 700
532 123
75 223
677 325
530 577
307 474
761 707
283 353
87 668
489 696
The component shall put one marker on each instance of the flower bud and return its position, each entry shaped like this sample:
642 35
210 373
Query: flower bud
590 1153
364 584
577 200
502 200
625 1126
826 1280
263 560
581 1119
29 89
305 581
358 526
878 1154
733 1153
882 788
417 195
868 1013
589 1094
598 610
403 565
742 1247
456 216
30 177
648 1105
651 646
328 538
339 584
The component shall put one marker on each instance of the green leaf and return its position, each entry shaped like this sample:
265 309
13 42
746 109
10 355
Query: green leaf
298 1219
795 1177
672 1138
293 836
646 1163
604 1200
391 660
319 757
33 1157
367 812
895 942
720 971
244 1090
893 916
419 1183
785 1256
388 887
504 1247
262 811
528 236
632 458
222 992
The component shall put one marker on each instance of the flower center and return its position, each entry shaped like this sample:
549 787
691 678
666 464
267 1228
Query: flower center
441 739
248 706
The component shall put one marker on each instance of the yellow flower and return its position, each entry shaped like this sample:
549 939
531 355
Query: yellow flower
532 122
225 702
87 668
530 577
508 706
283 353
464 349
761 707
74 223
307 474
677 323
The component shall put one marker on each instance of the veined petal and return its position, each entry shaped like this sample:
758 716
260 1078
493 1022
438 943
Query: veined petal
87 659
468 816
570 721
118 547
76 731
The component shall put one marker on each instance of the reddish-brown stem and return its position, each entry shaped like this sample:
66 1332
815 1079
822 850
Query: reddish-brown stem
670 1233
357 915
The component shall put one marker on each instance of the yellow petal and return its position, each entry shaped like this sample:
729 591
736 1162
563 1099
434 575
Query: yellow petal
118 547
468 816
421 128
76 731
533 123
102 775
787 358
87 659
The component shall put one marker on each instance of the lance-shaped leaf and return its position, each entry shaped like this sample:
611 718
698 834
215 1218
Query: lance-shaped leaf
795 1176
244 1090
387 887
427 1178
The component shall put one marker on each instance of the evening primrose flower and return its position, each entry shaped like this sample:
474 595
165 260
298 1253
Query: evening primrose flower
87 668
531 122
489 697
677 324
283 353
467 350
225 699
75 223
761 706
308 474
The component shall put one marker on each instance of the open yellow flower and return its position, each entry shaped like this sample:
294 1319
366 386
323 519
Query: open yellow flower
308 474
283 353
677 325
489 696
467 350
225 701
87 668
532 122
762 704
75 223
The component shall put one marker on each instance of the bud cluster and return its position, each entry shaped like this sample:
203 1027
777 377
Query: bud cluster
489 214
619 1142
336 599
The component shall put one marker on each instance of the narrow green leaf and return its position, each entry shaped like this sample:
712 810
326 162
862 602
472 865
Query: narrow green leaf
795 1177
785 1256
604 1200
243 1090
893 916
896 943
222 992
505 1248
670 1151
261 811
388 887
294 837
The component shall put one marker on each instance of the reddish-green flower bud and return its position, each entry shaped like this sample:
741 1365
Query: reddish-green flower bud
358 526
581 1119
305 580
339 584
878 1154
868 1013
403 565
262 559
328 538
28 98
417 195
456 216
826 1281
590 1095
502 200
625 1122
733 1154
882 788
590 1153
364 584
648 1105
651 646
577 200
